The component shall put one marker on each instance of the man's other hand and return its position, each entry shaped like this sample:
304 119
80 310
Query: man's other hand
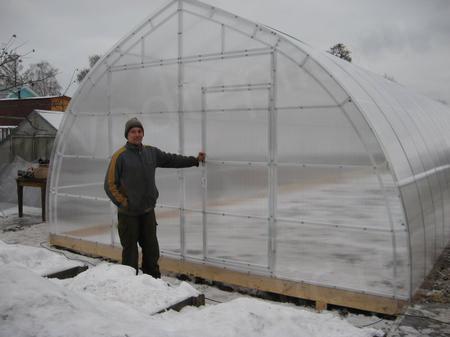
201 157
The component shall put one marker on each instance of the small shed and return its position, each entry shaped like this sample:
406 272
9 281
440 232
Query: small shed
323 180
33 138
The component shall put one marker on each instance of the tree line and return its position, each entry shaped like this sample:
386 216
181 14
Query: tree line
39 76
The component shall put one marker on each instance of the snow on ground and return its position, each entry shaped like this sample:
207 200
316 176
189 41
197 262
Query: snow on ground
32 305
110 300
38 260
119 283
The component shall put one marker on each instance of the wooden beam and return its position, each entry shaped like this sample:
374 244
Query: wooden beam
322 295
321 306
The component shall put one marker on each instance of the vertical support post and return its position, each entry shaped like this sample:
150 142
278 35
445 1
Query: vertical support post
181 129
43 203
110 141
273 174
142 49
20 198
321 306
204 178
60 149
222 39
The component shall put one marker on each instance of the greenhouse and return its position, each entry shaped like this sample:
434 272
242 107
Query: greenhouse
322 180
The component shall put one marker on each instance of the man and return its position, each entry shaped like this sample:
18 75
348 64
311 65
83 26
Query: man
130 184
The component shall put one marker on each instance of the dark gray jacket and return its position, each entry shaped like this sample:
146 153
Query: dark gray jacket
130 179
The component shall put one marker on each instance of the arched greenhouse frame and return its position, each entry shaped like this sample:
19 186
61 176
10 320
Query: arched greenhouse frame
322 180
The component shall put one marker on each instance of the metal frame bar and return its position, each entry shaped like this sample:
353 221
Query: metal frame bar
180 104
284 164
222 39
142 49
110 149
80 185
237 87
264 109
204 178
273 171
80 196
193 59
81 156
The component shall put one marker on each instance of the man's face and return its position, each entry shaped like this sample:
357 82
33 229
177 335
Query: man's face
135 136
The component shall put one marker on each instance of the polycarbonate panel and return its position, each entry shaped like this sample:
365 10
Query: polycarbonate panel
291 51
240 98
83 176
350 259
232 239
167 183
432 158
406 121
162 131
434 111
246 142
76 216
152 44
322 77
192 124
195 188
92 96
145 91
194 234
392 198
318 136
332 195
297 88
200 36
414 217
234 40
233 72
238 189
88 136
371 110
168 230
366 136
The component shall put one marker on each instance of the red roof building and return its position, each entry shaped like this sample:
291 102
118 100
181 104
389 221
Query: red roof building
13 110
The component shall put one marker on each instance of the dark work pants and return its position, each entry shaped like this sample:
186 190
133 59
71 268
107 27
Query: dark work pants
134 229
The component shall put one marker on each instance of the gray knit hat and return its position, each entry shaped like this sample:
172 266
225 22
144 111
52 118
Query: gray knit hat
132 123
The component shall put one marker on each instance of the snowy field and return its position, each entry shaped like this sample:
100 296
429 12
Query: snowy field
110 300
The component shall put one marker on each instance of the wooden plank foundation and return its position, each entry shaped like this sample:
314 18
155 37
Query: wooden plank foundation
323 296
68 273
195 301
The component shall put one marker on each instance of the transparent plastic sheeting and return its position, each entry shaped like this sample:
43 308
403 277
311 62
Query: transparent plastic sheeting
317 170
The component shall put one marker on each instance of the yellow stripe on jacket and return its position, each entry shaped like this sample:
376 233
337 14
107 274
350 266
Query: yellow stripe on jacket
115 192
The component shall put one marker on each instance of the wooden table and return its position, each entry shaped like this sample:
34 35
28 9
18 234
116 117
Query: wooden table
31 182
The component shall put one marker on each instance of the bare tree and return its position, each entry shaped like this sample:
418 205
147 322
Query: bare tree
11 58
340 50
83 72
42 77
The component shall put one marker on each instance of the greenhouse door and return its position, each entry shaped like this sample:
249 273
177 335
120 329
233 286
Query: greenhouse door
236 135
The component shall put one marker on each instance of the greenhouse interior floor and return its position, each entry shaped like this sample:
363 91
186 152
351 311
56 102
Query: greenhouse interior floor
427 316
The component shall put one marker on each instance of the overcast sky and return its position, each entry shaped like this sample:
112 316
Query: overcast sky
406 39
